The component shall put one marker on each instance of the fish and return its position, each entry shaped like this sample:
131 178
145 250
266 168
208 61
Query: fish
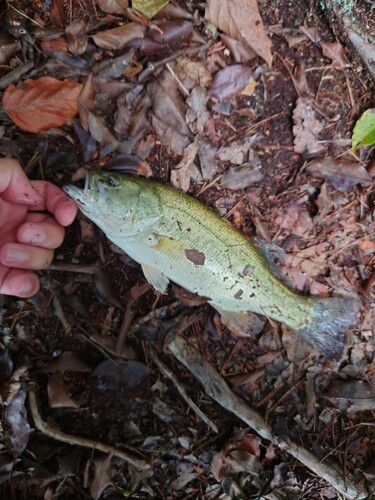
175 237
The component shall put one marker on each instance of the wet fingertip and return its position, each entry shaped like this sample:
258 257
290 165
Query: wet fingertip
67 212
24 286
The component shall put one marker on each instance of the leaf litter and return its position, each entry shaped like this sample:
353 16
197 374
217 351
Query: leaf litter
229 114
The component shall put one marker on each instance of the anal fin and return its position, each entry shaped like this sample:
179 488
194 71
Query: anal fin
155 278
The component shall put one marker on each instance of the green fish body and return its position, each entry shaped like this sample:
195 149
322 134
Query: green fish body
176 238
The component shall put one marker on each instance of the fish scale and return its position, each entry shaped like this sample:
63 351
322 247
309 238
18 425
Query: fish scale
176 238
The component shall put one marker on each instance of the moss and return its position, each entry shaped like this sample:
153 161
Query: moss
346 6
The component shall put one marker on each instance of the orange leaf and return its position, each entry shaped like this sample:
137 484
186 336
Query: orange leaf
42 104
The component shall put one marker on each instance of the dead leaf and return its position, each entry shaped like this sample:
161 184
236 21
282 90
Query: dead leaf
17 428
236 152
57 391
49 47
118 38
186 474
6 366
43 103
8 48
57 13
149 7
250 87
290 35
117 374
76 36
113 6
91 122
249 443
335 52
197 113
194 70
241 177
343 175
300 79
68 361
102 476
240 52
230 81
311 32
169 113
241 20
207 160
180 175
306 127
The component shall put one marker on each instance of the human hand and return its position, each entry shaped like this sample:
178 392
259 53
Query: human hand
28 235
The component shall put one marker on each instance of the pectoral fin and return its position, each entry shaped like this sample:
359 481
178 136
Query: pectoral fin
155 278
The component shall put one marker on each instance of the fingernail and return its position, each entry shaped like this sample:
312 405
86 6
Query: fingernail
25 287
33 234
14 255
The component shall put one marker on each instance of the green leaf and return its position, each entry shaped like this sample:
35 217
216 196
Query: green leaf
364 130
149 7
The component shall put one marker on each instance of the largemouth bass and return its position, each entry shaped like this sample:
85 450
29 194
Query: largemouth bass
176 238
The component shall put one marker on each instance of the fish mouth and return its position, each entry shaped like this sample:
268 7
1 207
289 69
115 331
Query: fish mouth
86 195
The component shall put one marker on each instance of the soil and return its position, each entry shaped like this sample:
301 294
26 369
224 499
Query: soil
63 340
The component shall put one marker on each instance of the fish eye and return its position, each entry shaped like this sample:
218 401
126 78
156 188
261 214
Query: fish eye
111 181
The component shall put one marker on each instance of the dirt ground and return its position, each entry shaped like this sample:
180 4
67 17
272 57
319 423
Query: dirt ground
87 362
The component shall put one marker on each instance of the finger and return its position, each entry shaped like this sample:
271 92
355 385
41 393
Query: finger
14 184
56 202
25 256
42 234
20 283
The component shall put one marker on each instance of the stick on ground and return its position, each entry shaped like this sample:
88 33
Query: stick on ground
216 387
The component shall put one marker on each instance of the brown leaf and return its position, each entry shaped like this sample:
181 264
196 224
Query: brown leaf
57 391
118 38
49 47
76 36
241 177
169 113
91 122
102 476
335 52
180 175
7 49
113 6
249 443
306 127
343 175
42 104
240 52
68 361
311 32
230 81
58 13
241 20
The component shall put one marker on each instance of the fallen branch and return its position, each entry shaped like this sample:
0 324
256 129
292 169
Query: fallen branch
167 373
216 387
55 433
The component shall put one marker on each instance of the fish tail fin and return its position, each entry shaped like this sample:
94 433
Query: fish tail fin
329 319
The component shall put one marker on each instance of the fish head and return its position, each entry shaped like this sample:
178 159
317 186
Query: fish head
111 201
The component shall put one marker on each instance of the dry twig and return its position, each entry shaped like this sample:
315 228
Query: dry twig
55 433
216 387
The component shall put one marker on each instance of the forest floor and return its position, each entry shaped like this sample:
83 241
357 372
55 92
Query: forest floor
176 404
